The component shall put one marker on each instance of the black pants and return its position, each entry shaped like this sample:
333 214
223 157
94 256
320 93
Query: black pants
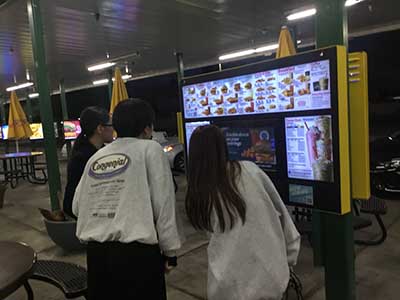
125 271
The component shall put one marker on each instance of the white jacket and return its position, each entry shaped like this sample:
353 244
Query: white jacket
126 194
251 261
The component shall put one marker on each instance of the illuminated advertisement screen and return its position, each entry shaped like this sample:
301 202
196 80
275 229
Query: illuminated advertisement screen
297 88
37 131
72 129
256 144
309 148
4 130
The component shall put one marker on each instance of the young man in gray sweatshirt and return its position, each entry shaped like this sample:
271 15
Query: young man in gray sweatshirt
125 204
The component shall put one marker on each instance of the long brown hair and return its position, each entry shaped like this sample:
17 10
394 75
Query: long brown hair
212 182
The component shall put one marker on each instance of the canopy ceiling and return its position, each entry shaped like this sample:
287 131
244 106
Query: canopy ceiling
78 33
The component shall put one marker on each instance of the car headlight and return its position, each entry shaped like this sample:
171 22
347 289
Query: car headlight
168 148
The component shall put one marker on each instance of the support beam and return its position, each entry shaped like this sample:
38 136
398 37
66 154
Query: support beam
46 111
110 84
63 99
29 108
2 111
64 109
180 76
333 238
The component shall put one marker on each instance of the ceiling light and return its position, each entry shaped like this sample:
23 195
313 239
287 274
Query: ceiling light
249 52
126 77
352 2
28 76
104 81
299 42
101 66
302 14
33 95
20 86
101 81
267 48
237 54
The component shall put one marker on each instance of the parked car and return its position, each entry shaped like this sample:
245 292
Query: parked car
173 149
385 166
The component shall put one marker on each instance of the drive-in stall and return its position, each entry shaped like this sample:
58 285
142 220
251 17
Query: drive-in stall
289 116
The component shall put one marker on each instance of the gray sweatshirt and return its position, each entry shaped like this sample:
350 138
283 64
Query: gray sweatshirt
251 261
126 194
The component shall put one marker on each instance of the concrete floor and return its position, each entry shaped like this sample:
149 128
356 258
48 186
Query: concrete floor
377 268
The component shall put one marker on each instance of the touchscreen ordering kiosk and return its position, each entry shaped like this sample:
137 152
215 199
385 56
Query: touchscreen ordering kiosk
289 116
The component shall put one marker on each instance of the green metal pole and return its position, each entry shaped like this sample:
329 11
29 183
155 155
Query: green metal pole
29 108
63 99
64 109
2 111
110 84
46 111
334 239
180 76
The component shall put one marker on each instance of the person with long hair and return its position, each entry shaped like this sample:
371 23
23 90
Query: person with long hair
253 239
125 204
96 130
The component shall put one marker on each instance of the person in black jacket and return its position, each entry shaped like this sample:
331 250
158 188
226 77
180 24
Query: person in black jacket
96 130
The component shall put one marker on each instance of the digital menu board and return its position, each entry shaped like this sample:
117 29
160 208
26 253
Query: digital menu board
72 129
309 148
255 144
296 88
190 127
37 131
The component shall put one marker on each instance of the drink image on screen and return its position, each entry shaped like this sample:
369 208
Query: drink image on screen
309 148
319 144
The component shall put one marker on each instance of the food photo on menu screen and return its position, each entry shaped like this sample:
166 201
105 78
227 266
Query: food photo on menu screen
253 144
295 88
309 148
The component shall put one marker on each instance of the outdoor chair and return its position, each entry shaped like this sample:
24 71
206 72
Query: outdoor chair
377 207
70 278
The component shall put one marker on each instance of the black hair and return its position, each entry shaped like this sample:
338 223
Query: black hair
131 117
90 118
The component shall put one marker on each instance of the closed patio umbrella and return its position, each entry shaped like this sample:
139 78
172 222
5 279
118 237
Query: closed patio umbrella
18 125
286 45
119 92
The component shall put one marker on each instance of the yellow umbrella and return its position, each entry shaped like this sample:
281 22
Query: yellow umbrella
119 92
286 45
18 125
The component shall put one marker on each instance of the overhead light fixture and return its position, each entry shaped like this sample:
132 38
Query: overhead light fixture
101 66
237 54
266 48
104 81
101 81
33 95
28 76
249 52
352 2
299 42
19 86
125 77
302 14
